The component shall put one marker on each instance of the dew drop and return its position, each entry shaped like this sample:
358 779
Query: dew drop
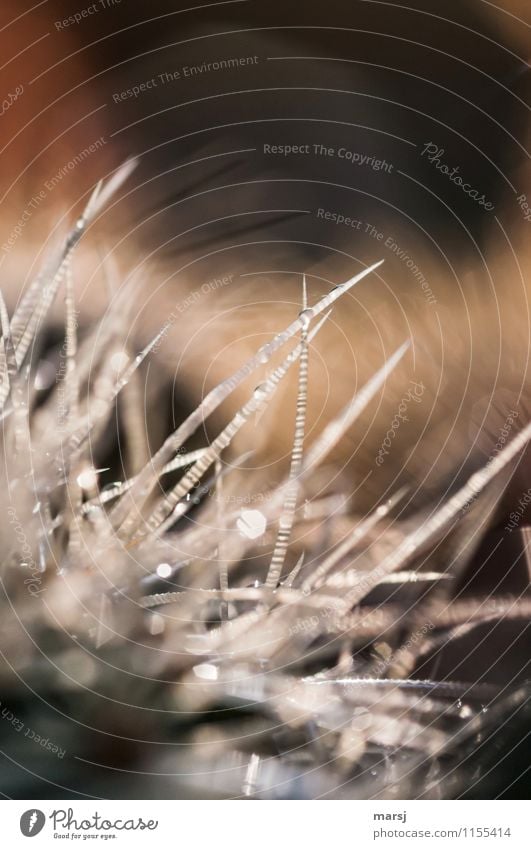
164 570
87 479
305 317
251 524
119 361
206 671
156 624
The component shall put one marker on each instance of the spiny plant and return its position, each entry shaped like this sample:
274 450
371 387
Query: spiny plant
158 637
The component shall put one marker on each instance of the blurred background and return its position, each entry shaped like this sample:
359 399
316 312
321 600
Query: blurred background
277 139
